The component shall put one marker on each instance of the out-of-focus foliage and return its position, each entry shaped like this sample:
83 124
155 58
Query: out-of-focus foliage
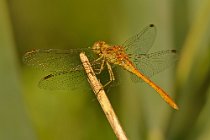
27 112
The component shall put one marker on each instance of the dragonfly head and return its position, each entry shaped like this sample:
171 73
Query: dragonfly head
97 47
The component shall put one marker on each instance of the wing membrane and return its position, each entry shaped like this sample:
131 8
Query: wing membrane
63 80
142 42
55 59
154 63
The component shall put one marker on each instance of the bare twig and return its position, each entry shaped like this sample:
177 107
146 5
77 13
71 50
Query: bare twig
102 98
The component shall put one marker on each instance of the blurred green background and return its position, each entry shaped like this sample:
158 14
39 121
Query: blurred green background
29 113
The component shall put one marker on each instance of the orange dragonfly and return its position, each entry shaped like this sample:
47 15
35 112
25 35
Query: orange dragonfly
67 71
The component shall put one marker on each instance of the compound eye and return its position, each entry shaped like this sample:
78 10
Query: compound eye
98 45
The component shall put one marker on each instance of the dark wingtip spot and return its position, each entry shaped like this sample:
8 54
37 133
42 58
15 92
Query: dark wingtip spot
48 76
174 51
151 25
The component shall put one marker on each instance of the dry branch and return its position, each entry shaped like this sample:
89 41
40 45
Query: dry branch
102 98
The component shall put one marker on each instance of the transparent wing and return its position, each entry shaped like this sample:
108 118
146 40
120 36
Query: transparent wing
56 59
74 79
153 63
142 42
66 69
64 80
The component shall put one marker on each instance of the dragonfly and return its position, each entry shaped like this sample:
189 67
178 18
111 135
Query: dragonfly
67 72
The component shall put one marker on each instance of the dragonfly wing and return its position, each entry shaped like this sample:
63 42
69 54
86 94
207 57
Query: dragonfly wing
74 79
154 63
142 42
64 80
55 59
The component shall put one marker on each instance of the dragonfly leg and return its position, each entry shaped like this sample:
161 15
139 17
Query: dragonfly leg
102 65
101 68
111 74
